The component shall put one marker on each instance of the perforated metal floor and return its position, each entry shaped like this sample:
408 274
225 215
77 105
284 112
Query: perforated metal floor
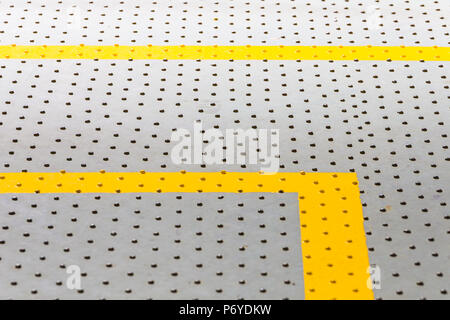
387 121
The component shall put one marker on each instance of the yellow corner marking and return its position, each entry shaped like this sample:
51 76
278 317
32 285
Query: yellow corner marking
335 257
248 52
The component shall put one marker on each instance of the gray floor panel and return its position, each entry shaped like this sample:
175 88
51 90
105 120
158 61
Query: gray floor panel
147 246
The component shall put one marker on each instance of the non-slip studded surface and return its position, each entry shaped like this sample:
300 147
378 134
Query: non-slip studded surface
240 22
387 121
147 246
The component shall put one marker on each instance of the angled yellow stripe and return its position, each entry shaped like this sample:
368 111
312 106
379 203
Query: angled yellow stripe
226 52
335 257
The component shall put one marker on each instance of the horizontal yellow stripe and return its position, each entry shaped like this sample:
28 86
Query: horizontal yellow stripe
226 52
335 257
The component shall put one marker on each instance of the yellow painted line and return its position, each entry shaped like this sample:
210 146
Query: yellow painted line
335 256
226 52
